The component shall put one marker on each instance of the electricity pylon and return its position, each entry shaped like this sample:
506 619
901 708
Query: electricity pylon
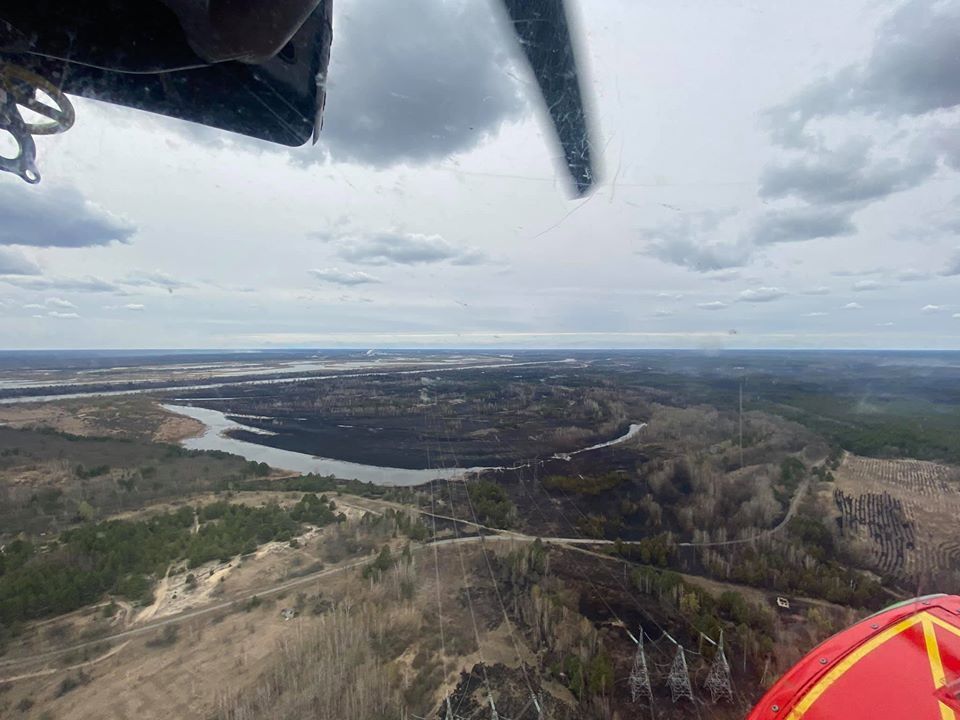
640 676
679 677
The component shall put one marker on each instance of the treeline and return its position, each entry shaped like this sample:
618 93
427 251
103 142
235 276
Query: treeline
792 473
915 428
584 484
744 623
578 654
546 607
807 561
491 503
658 550
122 556
329 483
110 475
238 530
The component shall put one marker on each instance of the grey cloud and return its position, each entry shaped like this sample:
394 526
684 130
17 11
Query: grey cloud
691 254
857 273
819 290
155 279
802 223
14 262
906 275
682 242
761 294
472 256
912 275
715 305
953 265
867 285
85 284
63 315
846 175
913 69
853 306
416 80
342 277
402 248
55 216
952 154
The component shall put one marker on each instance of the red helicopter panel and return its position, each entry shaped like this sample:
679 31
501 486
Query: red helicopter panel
903 662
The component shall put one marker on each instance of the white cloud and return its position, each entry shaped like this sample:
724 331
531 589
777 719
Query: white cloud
762 294
885 324
867 285
63 284
663 313
136 307
815 314
819 290
726 275
342 277
853 306
401 248
57 302
670 295
931 309
714 305
62 315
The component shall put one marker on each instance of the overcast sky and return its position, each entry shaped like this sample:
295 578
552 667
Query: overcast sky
772 174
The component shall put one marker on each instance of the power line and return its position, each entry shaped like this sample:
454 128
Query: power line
493 579
663 632
629 592
466 583
596 590
436 567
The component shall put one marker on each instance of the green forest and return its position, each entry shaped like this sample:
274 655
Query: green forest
125 556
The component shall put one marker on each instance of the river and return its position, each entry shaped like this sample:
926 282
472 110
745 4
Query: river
215 438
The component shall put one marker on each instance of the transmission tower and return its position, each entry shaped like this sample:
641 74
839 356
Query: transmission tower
718 679
640 676
679 678
741 423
